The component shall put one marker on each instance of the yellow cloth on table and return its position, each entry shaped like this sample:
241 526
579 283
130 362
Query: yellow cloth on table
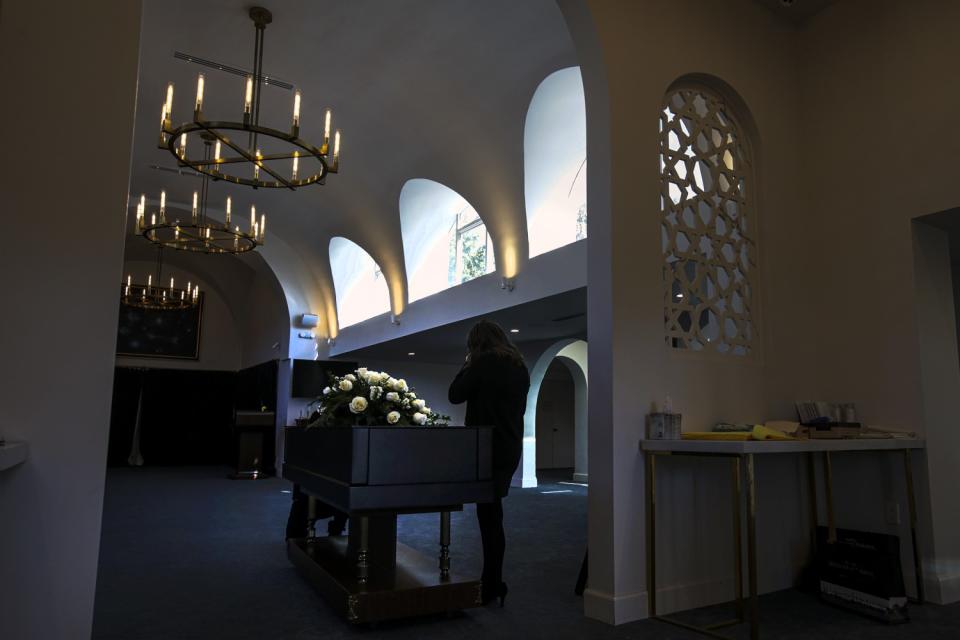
759 433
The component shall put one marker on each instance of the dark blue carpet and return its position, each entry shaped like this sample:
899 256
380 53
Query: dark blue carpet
188 554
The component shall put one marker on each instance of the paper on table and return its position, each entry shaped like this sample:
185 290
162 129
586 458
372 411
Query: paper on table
784 426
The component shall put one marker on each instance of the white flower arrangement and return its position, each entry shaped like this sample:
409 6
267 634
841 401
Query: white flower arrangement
371 398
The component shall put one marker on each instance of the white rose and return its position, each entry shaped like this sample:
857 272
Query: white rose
393 397
373 377
384 376
362 372
419 418
345 385
351 377
358 404
376 392
427 410
410 395
392 383
402 384
393 417
327 391
419 404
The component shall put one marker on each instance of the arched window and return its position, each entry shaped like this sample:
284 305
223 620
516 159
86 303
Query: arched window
555 162
359 284
445 243
706 224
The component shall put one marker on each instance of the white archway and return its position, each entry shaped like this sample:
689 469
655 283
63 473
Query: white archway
573 353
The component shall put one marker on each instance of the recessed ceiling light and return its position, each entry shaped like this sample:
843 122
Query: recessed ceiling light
411 354
514 330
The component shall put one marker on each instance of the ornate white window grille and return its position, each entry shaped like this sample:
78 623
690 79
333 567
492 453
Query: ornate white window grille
705 180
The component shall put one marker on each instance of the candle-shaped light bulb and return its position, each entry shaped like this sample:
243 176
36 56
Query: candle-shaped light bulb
263 225
296 109
248 97
149 281
229 204
163 202
153 219
176 233
199 105
253 216
168 105
296 163
182 295
188 285
128 280
171 283
216 152
256 166
336 148
195 197
183 144
256 231
326 127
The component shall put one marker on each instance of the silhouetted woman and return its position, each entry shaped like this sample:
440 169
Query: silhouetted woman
494 383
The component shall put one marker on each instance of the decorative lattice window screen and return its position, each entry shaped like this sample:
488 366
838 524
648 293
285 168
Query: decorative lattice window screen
705 176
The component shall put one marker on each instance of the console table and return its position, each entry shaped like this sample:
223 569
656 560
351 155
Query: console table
741 455
12 454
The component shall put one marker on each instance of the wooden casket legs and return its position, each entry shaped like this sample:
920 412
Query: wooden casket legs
368 576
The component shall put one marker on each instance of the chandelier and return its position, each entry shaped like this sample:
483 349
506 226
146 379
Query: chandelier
263 169
154 295
199 233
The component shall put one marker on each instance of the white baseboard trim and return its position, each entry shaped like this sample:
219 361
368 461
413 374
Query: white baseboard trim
942 589
631 607
612 609
580 477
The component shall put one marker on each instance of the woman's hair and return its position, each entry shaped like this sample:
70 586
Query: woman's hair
488 337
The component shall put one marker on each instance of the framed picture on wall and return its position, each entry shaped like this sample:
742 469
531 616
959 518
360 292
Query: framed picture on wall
160 333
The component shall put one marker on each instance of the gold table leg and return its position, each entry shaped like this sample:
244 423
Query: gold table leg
912 505
752 548
814 510
737 541
651 536
828 478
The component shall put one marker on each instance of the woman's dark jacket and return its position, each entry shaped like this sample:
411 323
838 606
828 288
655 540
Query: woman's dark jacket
495 389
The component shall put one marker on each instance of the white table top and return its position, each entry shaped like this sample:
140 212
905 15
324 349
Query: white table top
12 454
779 446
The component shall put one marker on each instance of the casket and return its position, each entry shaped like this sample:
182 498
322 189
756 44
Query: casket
391 468
373 474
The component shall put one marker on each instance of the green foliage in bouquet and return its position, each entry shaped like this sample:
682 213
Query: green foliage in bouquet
373 398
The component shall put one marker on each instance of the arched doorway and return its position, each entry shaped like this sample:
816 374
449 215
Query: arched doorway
571 354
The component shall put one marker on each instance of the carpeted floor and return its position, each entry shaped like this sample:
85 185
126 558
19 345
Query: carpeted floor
188 554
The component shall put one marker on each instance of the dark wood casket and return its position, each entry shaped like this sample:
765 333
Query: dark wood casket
373 474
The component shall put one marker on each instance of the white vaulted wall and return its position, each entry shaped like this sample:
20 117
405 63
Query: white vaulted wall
61 270
832 103
876 87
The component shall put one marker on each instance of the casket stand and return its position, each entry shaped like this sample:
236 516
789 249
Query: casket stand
373 474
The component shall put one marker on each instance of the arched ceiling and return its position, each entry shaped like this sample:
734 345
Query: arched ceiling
432 89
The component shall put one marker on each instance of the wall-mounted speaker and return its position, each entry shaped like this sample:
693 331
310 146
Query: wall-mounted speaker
309 320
